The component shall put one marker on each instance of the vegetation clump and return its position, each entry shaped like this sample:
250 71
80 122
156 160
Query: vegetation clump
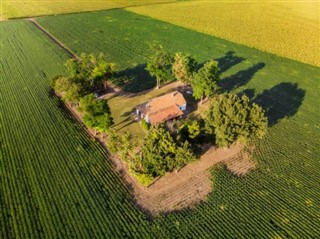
97 114
205 81
230 118
86 75
159 65
161 153
183 67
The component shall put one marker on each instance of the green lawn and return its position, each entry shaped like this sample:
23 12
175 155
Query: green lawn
123 109
58 183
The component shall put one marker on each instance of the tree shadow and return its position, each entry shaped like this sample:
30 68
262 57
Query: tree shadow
281 101
225 62
250 93
241 78
134 79
228 60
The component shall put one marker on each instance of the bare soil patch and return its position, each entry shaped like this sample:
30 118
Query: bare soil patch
191 185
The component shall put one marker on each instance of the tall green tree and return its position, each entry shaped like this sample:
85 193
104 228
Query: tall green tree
160 153
184 155
204 82
230 118
85 74
159 64
183 67
96 113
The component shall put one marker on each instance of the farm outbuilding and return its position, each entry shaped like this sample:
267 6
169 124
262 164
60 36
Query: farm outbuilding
162 108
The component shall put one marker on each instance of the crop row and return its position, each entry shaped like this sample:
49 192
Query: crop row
57 180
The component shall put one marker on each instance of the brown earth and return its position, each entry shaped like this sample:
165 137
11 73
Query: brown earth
189 186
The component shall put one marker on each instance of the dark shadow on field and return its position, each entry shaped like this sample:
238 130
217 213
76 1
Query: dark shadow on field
281 101
240 79
134 79
225 62
228 60
250 93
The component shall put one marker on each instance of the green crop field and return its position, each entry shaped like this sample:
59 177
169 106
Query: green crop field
20 8
56 182
285 28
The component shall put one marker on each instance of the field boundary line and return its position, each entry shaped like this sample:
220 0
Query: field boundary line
52 38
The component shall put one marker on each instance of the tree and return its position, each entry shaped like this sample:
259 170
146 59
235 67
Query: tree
230 118
204 82
159 65
96 113
189 130
158 151
184 155
85 74
183 67
104 122
125 146
113 141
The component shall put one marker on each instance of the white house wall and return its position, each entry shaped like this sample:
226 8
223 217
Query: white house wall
183 107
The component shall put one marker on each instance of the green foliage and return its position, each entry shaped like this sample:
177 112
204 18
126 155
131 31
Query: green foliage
93 106
113 141
143 179
53 80
121 144
144 124
96 113
184 155
95 69
159 64
231 118
160 152
189 130
125 146
183 67
85 74
204 82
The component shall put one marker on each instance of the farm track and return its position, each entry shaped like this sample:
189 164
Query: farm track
52 38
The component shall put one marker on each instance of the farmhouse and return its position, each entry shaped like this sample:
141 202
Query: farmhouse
162 108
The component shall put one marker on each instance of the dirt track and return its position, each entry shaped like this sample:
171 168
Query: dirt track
52 38
190 185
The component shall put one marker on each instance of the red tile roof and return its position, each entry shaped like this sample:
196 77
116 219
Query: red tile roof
164 107
165 114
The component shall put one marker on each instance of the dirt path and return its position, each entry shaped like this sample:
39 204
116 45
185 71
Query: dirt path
189 186
52 38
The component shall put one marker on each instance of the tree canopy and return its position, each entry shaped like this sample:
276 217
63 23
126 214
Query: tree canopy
96 113
159 64
183 67
230 118
85 75
160 152
204 82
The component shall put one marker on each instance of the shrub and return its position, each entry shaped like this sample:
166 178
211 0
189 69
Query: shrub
144 124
